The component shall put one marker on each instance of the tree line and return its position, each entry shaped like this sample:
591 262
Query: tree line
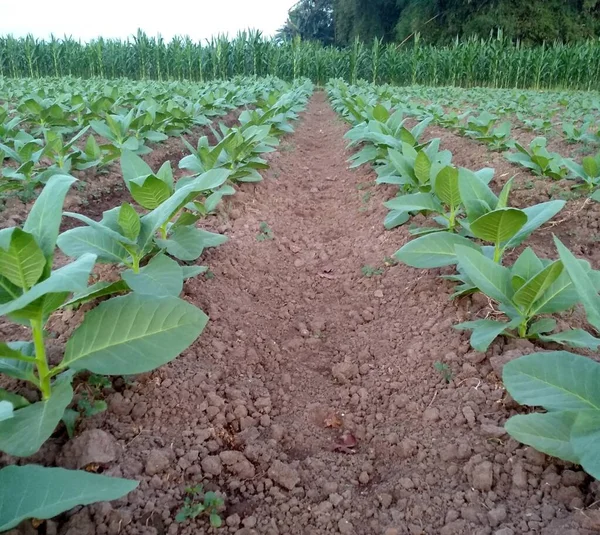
339 22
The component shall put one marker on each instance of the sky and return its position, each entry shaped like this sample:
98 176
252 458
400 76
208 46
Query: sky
85 20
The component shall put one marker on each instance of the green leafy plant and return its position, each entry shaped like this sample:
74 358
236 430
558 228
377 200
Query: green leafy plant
488 218
539 160
125 335
587 174
564 384
383 131
123 236
197 503
527 292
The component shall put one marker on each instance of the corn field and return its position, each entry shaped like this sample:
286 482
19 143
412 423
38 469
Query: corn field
492 62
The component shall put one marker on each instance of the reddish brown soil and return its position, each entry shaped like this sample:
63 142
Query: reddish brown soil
302 347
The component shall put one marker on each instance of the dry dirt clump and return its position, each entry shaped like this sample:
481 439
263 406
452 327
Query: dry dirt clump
311 401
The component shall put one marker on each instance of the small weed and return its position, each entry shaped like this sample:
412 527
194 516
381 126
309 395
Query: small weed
530 184
88 405
194 506
209 275
265 232
370 271
444 370
80 185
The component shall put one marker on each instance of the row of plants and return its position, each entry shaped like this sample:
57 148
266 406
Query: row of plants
75 125
490 128
470 226
141 322
496 61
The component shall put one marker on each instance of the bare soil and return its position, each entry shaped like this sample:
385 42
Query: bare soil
311 401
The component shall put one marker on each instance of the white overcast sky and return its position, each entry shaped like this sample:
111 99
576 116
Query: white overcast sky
200 19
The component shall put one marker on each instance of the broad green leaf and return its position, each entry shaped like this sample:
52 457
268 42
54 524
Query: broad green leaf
503 197
6 410
23 262
132 166
187 218
422 167
31 491
590 166
559 297
30 426
395 218
537 215
499 225
544 325
491 278
95 291
556 380
133 334
162 276
15 400
476 195
44 218
414 202
19 369
211 180
595 196
109 225
446 187
485 331
165 173
129 221
535 287
582 282
549 433
192 271
527 265
574 338
150 192
585 437
188 243
71 278
79 241
433 250
380 113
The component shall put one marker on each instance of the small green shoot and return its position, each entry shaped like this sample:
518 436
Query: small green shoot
444 370
370 271
194 506
265 232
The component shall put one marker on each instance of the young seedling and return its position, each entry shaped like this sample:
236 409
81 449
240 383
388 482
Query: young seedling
444 370
196 503
265 232
370 271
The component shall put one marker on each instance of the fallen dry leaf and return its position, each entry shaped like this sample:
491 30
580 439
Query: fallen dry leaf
333 420
345 443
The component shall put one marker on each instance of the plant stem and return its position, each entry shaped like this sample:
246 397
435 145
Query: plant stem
136 264
40 358
163 231
523 329
497 253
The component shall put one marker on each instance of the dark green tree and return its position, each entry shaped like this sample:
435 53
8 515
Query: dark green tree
312 20
441 21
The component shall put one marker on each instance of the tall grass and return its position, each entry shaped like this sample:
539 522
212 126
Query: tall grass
494 62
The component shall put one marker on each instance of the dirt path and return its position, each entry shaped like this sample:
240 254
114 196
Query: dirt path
302 346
